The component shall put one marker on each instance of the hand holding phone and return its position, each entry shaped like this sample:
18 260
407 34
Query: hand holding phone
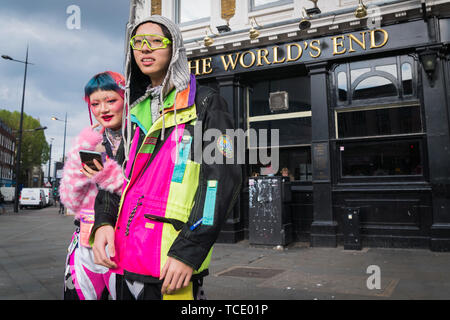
87 157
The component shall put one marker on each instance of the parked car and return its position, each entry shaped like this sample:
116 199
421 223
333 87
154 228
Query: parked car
49 201
32 197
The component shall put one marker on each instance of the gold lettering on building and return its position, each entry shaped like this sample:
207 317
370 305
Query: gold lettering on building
196 68
207 65
289 52
231 62
275 56
315 48
361 43
337 44
242 61
262 55
373 44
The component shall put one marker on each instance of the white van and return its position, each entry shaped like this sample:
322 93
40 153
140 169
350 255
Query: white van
49 201
32 197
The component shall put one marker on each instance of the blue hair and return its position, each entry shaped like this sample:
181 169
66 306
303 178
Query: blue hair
102 81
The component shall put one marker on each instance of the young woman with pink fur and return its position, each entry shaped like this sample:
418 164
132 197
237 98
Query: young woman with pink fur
85 280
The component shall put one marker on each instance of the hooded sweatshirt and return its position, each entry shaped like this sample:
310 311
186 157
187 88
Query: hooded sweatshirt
139 87
173 203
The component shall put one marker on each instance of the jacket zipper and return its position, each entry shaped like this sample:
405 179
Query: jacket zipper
133 212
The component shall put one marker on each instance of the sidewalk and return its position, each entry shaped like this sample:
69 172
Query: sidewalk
33 246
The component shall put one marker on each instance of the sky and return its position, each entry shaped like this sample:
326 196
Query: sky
64 58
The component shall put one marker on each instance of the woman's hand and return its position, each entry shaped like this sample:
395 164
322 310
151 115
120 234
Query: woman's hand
89 172
101 130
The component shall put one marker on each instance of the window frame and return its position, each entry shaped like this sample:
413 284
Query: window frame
414 103
351 84
177 16
420 138
351 105
268 117
276 3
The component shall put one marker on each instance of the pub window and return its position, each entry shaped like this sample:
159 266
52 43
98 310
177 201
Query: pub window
293 131
374 87
192 11
293 121
386 79
262 4
380 131
297 161
379 121
294 163
381 158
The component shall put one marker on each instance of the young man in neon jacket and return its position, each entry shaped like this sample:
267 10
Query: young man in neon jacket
175 199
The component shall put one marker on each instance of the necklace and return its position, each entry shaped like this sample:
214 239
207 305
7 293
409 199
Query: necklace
114 137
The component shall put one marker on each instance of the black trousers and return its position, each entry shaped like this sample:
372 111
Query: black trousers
151 291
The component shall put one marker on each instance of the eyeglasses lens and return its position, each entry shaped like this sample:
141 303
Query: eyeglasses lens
154 42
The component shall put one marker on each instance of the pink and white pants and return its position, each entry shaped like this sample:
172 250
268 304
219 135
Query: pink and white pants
83 279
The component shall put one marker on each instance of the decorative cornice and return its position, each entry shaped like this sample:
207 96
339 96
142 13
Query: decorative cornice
290 32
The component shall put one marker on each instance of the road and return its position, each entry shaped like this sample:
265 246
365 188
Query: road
33 246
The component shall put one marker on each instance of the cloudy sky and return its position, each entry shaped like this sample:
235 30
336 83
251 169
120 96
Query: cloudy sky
64 58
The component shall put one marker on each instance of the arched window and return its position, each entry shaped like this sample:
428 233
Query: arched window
375 86
380 80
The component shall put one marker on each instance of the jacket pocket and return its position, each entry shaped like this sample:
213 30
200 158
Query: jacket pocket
183 154
181 196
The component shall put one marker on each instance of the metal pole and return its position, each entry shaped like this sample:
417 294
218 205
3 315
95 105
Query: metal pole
19 147
49 160
64 145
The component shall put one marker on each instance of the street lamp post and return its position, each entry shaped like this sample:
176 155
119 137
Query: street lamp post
19 146
65 127
50 159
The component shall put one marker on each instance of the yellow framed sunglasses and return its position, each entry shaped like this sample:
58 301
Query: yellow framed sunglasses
153 41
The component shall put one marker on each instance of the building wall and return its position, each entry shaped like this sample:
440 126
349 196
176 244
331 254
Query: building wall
7 145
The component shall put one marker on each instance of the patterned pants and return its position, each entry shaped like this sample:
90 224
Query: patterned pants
85 280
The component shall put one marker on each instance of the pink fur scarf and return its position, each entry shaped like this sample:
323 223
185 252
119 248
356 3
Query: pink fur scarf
78 191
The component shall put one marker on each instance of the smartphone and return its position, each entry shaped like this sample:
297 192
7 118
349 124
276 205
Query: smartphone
87 157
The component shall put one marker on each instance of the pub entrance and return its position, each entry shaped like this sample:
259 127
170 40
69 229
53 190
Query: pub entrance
281 101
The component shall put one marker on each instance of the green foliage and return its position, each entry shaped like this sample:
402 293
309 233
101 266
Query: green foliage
35 149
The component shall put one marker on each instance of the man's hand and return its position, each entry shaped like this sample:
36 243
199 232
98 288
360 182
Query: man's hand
104 236
176 275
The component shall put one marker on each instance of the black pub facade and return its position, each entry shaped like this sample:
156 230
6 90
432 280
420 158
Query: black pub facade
365 127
